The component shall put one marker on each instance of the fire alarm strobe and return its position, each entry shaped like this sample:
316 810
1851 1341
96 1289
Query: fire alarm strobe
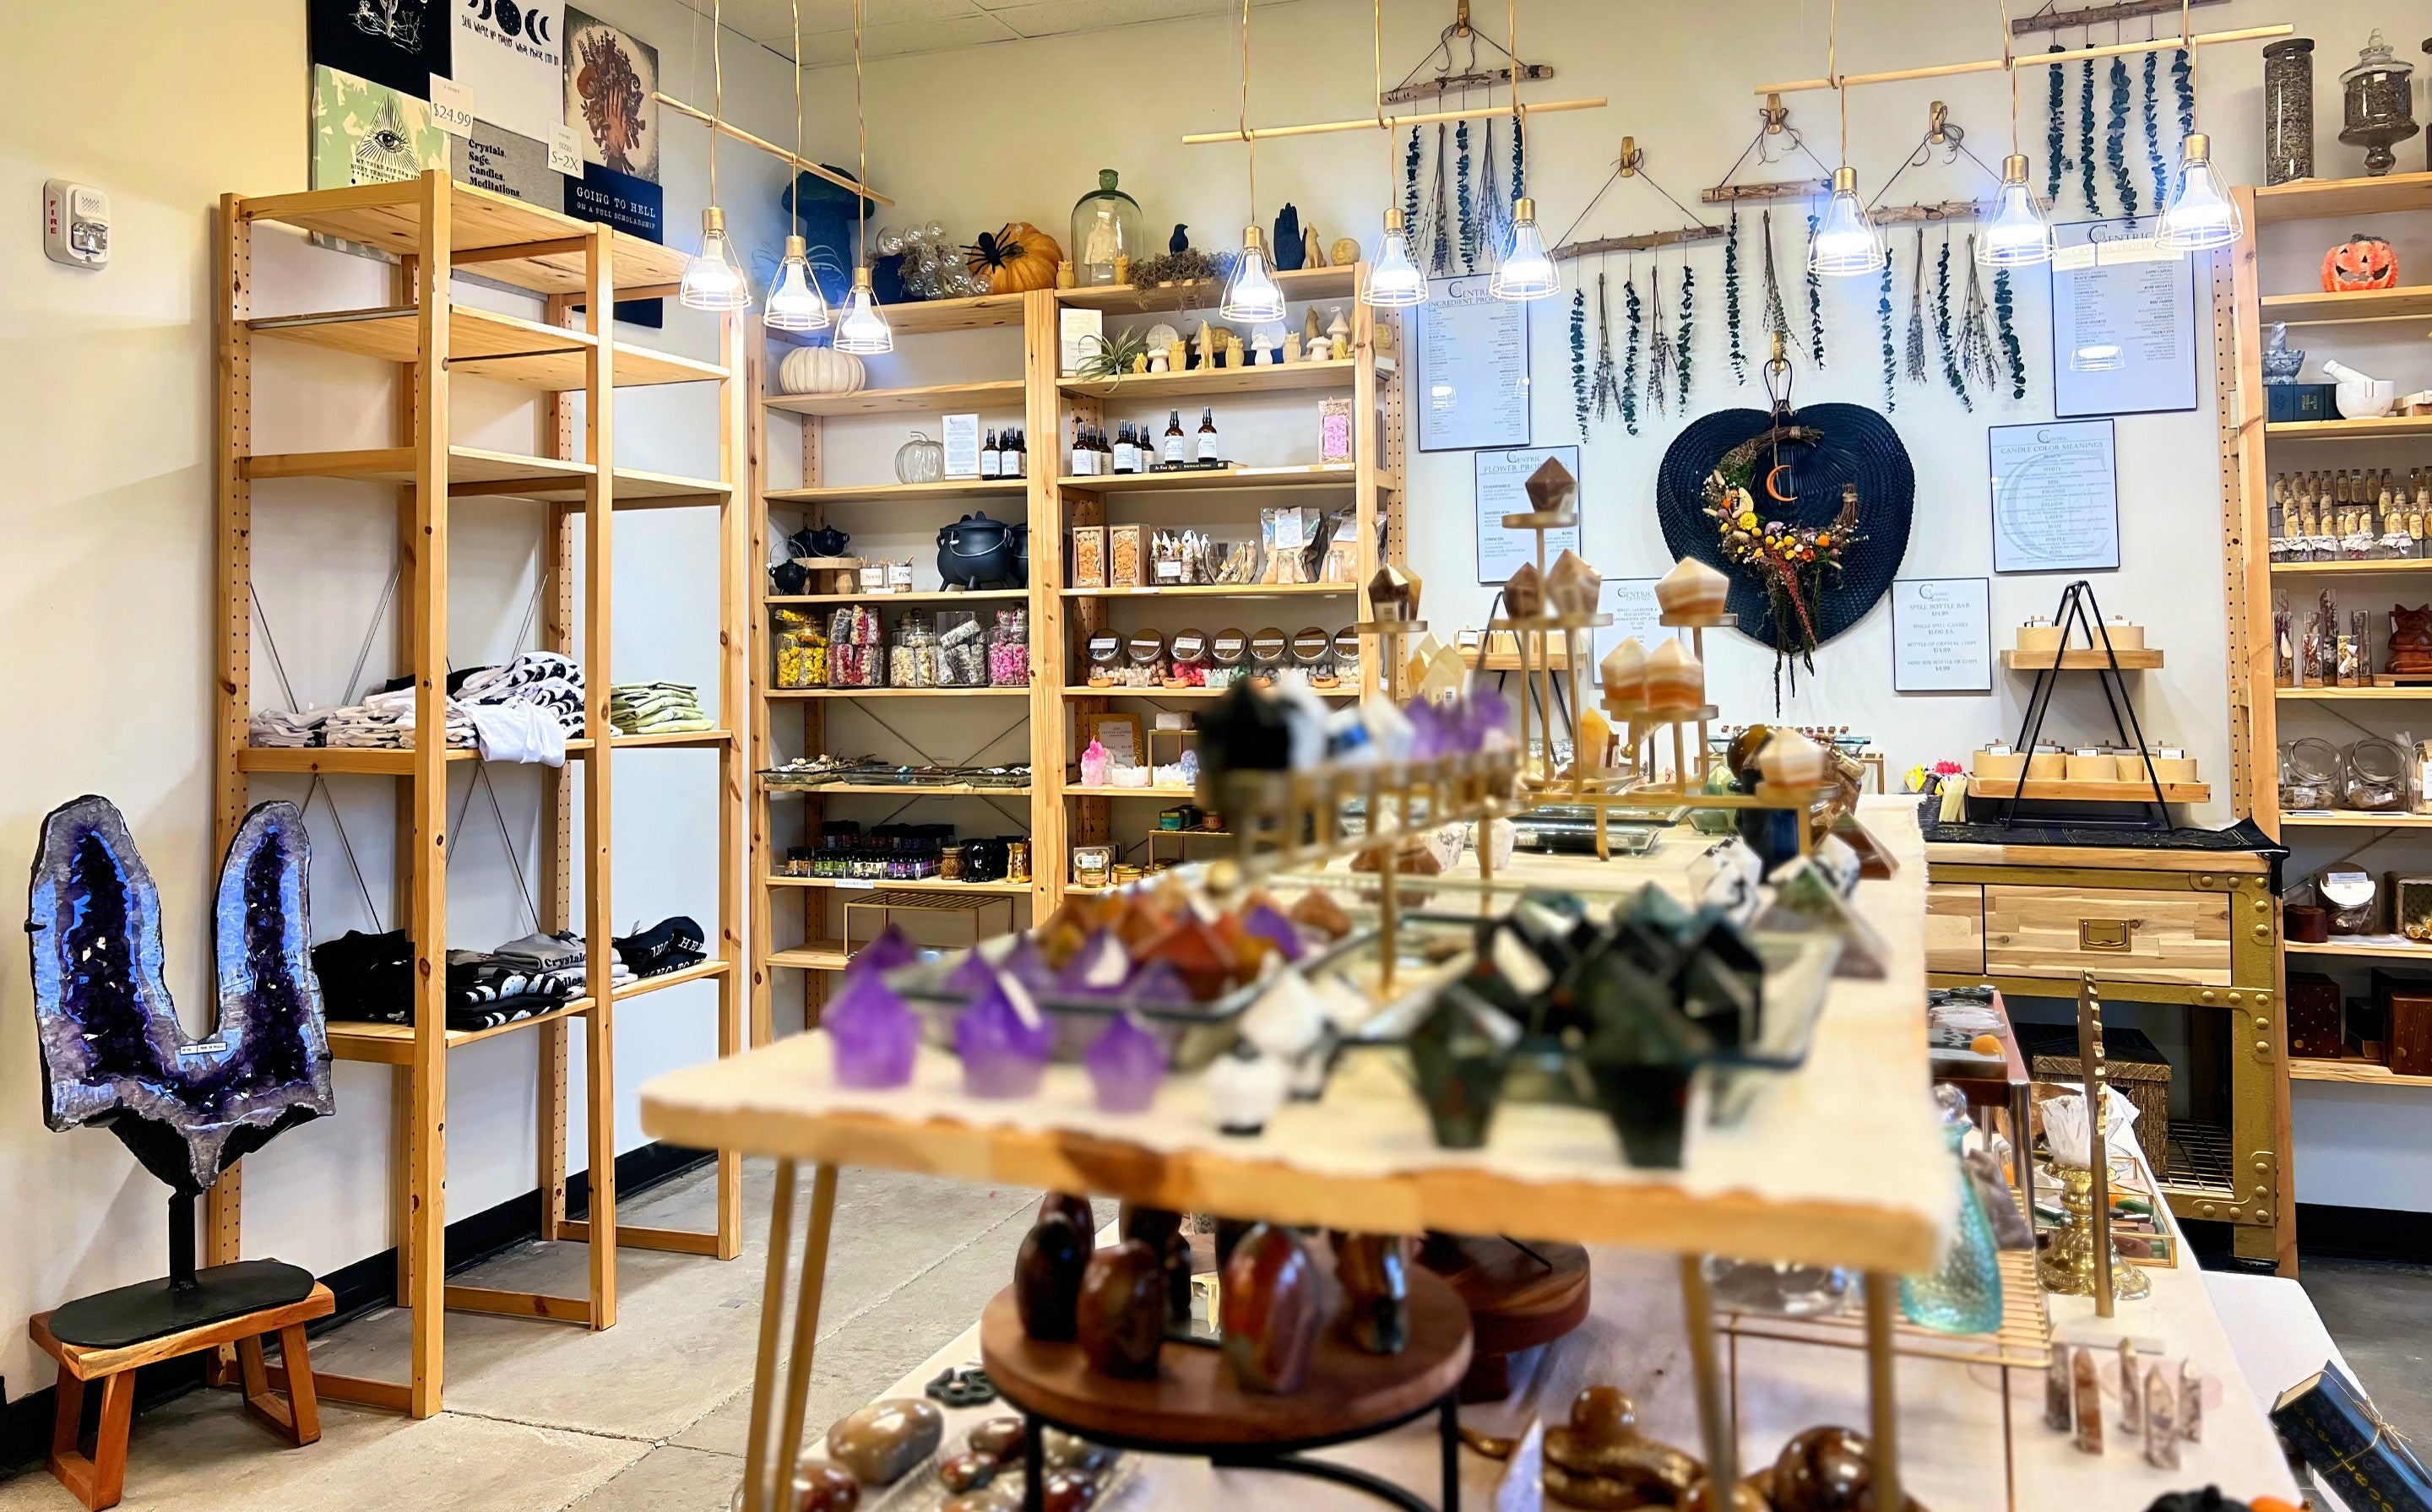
76 224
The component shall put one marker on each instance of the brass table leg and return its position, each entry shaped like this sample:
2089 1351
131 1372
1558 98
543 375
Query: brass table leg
1882 1401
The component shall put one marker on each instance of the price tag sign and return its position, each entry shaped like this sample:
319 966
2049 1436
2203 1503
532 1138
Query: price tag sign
565 153
451 106
1291 530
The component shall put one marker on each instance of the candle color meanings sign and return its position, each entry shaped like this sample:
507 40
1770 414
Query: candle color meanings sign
1942 635
2055 496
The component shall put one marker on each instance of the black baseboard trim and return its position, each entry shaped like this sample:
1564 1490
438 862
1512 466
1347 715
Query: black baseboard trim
364 1286
2328 1233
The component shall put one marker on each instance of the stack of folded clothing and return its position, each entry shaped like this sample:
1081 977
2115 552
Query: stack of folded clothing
486 990
548 684
655 708
561 954
670 945
384 721
276 729
369 979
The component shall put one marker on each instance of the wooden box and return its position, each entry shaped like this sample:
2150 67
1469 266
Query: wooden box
2313 1016
2133 1064
2365 1036
2405 1004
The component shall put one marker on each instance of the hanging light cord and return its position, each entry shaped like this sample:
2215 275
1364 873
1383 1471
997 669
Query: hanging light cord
1519 112
1245 111
1376 72
2010 66
861 152
798 110
1832 70
2188 44
717 92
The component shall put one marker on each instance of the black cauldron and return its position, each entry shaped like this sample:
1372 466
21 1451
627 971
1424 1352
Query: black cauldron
978 552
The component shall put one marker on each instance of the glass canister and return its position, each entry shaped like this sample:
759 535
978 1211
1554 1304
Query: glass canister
1144 660
2310 770
801 649
912 653
1105 234
2380 105
2376 776
1009 652
962 650
2289 110
1190 651
855 648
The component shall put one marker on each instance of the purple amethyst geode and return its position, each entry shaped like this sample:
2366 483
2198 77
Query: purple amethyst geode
1125 1065
1004 1042
875 1035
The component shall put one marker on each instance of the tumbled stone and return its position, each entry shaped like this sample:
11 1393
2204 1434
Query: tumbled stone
819 1487
1000 1438
968 1473
1071 1451
1066 1491
878 1443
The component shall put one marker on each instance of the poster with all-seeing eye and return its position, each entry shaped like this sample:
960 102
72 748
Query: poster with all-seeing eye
611 82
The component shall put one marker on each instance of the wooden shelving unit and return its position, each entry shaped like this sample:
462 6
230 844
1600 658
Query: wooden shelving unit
435 227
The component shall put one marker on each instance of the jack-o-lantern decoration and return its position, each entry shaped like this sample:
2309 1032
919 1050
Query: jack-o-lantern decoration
2359 262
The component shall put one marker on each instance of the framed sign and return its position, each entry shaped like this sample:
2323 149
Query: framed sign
1119 733
1631 603
1501 485
2055 496
2124 322
1942 635
1473 379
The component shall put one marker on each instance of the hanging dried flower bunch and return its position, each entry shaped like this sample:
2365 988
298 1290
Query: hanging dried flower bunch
1439 214
1688 325
1468 210
1659 344
1636 313
2056 159
1916 310
2115 139
1976 361
2085 136
1776 320
1814 300
2011 354
1579 358
1608 387
1950 373
1732 294
2153 164
1883 316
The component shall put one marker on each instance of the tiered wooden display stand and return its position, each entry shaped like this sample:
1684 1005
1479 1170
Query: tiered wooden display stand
435 227
1061 813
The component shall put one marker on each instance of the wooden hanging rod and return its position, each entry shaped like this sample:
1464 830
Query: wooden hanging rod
1429 89
1787 188
1646 242
1949 210
1391 123
2097 15
1993 65
730 128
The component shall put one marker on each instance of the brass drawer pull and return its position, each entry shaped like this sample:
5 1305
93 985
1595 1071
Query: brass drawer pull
2104 934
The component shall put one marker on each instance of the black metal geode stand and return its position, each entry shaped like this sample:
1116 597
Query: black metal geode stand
185 1298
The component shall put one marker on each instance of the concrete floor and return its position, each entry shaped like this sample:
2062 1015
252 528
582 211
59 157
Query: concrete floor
650 1416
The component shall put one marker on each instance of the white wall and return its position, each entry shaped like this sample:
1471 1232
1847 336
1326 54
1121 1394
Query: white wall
106 602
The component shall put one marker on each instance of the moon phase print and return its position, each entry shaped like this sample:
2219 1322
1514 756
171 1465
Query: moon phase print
510 54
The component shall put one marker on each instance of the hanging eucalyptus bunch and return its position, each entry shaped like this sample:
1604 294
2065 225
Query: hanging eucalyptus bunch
2055 158
2115 139
1659 344
1688 325
1439 212
1950 373
1883 316
1519 158
2153 136
1412 157
1731 295
1916 367
1776 320
1636 313
1608 389
1815 300
2011 353
1468 208
2183 80
2085 163
1580 397
1976 360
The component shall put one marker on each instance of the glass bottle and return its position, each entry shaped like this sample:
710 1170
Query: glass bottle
1207 452
1964 1295
2289 110
1105 234
2380 105
1174 457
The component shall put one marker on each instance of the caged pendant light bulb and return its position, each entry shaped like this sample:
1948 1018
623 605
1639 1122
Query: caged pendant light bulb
862 330
1847 242
1395 282
2017 235
794 300
715 280
1524 270
2199 216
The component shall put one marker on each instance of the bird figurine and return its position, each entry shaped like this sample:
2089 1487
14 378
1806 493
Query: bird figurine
115 1055
1180 241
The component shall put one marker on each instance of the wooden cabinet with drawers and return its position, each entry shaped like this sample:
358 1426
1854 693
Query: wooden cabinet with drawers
2120 934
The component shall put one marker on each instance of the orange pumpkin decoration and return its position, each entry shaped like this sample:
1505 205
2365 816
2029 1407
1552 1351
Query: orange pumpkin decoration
1014 258
2359 262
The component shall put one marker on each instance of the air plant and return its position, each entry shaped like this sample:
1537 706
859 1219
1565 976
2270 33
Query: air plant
1111 358
2014 357
1688 325
2115 139
1580 357
1732 294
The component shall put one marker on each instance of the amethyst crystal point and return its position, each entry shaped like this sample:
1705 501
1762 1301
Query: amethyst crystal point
891 949
1158 986
1269 922
1431 732
874 1032
972 977
1026 964
1004 1042
1490 715
1125 1065
112 1050
1099 968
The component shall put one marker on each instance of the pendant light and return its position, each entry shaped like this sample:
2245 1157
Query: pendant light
2017 235
862 328
713 280
1846 243
794 299
2200 215
1523 270
1250 292
1395 282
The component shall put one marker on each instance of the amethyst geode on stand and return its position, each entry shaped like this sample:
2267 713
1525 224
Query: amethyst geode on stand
114 1056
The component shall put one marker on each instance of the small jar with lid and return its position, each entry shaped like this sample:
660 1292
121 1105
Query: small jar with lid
1270 651
1008 649
855 648
1106 235
1313 653
2376 778
2310 775
1144 660
962 650
2380 105
1188 667
801 649
1228 655
1103 654
1346 657
912 655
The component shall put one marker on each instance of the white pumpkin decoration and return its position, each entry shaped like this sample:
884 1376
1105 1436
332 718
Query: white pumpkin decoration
822 370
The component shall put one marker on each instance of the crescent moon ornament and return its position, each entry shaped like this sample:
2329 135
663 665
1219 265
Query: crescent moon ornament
1774 493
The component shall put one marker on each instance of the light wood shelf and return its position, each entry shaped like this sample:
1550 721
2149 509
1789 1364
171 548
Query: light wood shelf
1155 388
2364 947
2092 792
485 345
2343 694
923 317
2399 567
1223 590
915 884
481 224
945 595
2300 820
1337 282
332 760
895 789
934 398
817 956
2360 305
1314 474
896 693
393 1044
2310 199
2078 658
1072 788
1207 694
894 492
2387 426
2363 1073
473 472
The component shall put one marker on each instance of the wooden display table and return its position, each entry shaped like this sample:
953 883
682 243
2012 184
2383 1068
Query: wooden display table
1840 1163
1193 1406
99 1479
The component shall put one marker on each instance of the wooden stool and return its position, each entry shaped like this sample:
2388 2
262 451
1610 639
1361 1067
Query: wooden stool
99 1481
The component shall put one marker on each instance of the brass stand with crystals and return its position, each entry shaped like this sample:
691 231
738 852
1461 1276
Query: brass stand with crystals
1557 500
2068 1265
1293 819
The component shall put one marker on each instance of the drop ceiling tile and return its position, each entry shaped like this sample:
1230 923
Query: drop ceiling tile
1052 18
895 39
771 22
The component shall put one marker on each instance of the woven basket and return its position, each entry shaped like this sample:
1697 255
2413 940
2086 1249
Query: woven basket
2132 1063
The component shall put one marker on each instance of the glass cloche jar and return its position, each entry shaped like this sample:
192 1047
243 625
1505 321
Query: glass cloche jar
2380 110
1105 234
